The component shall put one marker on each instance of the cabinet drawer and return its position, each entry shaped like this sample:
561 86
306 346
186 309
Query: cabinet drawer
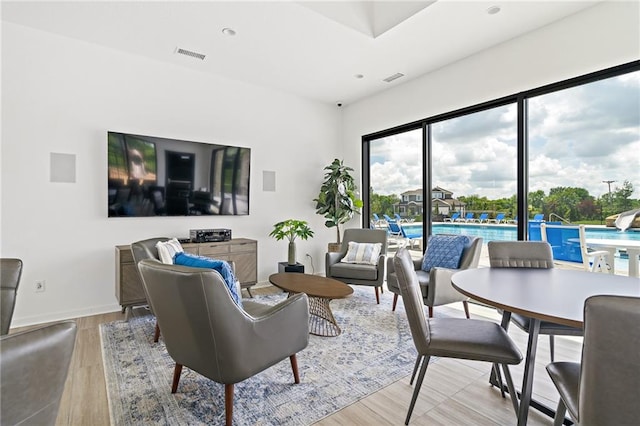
212 249
244 247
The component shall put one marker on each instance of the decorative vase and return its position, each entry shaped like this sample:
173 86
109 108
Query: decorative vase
292 253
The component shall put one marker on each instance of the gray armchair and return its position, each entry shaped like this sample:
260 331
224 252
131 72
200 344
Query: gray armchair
146 249
224 342
603 388
435 285
33 371
355 273
10 272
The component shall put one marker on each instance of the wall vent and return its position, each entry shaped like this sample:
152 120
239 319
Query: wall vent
190 53
393 77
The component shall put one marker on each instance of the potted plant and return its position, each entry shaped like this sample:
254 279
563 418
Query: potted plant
337 200
291 229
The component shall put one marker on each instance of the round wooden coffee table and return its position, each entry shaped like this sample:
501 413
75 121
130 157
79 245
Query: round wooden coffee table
321 291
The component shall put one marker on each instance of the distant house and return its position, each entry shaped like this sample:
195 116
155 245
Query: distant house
411 204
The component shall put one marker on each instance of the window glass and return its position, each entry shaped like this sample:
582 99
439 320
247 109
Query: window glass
474 161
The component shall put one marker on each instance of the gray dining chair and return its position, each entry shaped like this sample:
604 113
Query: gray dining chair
529 254
603 388
460 338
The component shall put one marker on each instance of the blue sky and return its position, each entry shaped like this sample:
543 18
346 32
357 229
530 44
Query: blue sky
578 137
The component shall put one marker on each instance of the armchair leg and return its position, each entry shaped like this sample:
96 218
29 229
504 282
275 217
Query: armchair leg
156 335
377 296
228 404
176 377
466 308
430 311
395 301
294 367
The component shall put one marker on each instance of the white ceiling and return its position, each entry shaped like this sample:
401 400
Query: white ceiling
312 49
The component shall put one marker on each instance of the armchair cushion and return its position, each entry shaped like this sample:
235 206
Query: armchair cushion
364 253
444 251
223 267
168 249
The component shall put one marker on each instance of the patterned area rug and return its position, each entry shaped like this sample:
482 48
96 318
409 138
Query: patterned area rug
374 350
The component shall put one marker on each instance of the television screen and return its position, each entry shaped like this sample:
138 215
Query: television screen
151 176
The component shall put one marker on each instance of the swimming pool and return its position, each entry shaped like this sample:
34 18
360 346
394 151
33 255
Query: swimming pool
509 232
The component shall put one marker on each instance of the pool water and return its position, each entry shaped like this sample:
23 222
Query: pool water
509 233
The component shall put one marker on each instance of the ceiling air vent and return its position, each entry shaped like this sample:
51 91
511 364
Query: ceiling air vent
190 53
393 77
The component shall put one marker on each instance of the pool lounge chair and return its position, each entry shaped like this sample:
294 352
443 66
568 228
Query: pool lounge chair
498 219
538 218
402 237
453 217
514 220
388 219
484 217
467 218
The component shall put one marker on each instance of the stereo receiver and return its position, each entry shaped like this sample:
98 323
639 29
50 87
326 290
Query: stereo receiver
209 235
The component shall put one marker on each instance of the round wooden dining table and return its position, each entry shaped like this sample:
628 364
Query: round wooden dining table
555 295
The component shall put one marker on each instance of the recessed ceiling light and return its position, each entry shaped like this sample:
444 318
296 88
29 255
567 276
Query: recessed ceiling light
359 76
228 32
493 10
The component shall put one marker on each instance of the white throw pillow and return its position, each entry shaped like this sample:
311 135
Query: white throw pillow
366 253
168 249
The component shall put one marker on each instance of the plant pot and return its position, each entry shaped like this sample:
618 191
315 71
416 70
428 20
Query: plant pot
292 253
334 247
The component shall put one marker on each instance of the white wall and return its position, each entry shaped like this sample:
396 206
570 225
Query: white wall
597 38
62 95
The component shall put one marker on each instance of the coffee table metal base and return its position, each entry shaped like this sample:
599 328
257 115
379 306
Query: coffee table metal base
321 320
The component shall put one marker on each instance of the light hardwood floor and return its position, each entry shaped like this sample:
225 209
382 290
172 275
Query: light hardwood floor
453 393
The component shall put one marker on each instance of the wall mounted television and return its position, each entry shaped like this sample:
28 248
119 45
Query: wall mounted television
153 176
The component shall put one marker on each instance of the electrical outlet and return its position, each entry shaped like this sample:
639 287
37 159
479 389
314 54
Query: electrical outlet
39 288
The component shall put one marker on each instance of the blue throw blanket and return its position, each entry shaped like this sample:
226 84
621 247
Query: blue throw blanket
222 266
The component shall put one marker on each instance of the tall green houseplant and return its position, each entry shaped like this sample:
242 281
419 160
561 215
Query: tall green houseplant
337 200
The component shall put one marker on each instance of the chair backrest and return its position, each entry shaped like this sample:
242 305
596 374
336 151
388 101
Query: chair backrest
455 216
10 273
412 299
387 218
398 217
33 371
568 242
470 256
203 328
520 254
499 217
538 217
364 236
146 249
394 229
469 216
483 216
610 375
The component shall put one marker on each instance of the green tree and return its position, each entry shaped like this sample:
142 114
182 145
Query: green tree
382 204
621 197
565 202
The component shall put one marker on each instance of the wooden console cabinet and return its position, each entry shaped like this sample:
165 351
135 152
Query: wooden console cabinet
243 252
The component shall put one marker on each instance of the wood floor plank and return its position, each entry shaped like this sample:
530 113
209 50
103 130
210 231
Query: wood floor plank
455 392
